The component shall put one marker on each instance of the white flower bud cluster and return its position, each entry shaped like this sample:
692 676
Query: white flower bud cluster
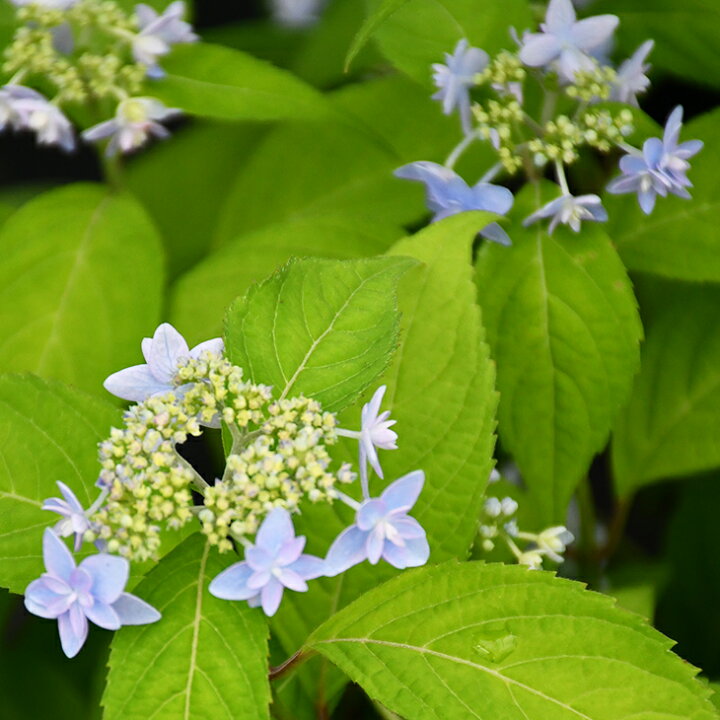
148 482
286 461
592 85
497 121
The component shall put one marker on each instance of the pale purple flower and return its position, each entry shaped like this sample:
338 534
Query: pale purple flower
375 432
158 33
136 120
567 41
660 168
296 13
93 591
631 79
275 563
163 354
570 210
74 519
383 529
23 108
448 194
456 76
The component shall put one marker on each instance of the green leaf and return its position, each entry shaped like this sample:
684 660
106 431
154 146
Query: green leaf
373 21
183 184
48 432
686 54
563 327
82 272
205 658
323 328
681 239
200 297
218 82
475 640
420 32
671 424
338 169
441 392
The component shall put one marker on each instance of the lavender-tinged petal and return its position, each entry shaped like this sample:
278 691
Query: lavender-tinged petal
308 567
259 579
42 601
496 233
370 513
290 551
57 557
103 616
633 164
291 580
146 347
231 583
623 184
110 575
680 192
408 527
276 530
653 151
71 641
539 50
689 148
371 410
167 348
374 545
414 553
593 31
548 210
647 201
671 135
560 16
70 497
131 610
271 596
347 550
371 454
258 559
78 621
101 131
493 198
216 346
404 492
135 383
57 505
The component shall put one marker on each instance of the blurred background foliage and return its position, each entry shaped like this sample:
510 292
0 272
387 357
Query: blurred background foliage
243 197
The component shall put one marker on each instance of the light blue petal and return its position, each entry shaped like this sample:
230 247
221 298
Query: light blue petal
215 346
231 583
647 201
292 580
290 551
408 527
560 16
370 513
276 530
404 492
414 553
347 550
103 616
168 346
109 574
131 610
271 596
623 184
374 545
40 600
135 383
539 50
57 557
652 152
493 198
593 31
671 135
308 567
258 559
72 635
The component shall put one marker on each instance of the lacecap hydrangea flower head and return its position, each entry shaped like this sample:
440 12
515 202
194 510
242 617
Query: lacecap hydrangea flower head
567 62
279 459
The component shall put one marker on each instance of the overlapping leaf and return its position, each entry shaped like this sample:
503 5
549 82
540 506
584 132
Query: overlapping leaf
487 641
205 658
563 327
83 273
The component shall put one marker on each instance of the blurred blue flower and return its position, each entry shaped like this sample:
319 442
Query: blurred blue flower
383 529
273 564
570 210
456 76
158 32
163 353
448 194
93 591
631 79
566 40
74 520
660 168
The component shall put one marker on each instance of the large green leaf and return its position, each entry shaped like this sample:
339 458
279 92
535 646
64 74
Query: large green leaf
218 82
441 392
183 184
671 425
417 34
299 169
322 328
200 297
685 34
496 641
373 21
205 657
82 271
681 239
563 327
48 432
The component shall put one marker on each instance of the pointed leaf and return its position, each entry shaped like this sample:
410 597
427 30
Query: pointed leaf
373 21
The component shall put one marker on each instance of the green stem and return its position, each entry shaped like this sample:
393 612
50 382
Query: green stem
112 166
290 664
